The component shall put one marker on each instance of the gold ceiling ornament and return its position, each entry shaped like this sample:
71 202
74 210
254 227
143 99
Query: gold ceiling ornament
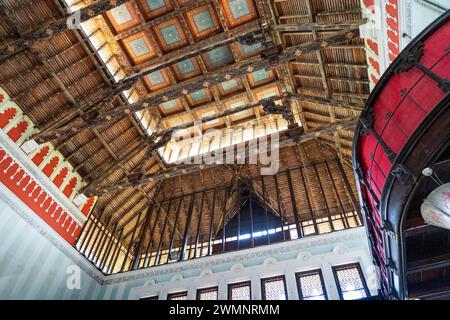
184 91
227 77
298 53
49 31
350 35
165 98
324 44
250 69
206 84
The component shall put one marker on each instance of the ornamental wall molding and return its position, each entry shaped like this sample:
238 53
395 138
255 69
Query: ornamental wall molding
45 230
14 151
239 257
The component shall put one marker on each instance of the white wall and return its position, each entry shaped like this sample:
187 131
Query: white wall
314 252
416 15
34 259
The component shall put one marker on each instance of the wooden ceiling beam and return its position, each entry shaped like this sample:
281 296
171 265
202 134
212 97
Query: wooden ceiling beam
57 27
63 117
351 95
329 102
320 14
75 104
336 65
318 26
213 78
363 81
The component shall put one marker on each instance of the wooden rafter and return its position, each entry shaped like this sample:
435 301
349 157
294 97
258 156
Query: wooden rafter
47 32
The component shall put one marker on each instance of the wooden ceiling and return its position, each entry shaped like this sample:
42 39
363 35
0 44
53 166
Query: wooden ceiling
58 81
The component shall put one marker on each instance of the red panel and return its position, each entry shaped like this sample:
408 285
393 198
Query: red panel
39 157
433 94
68 190
383 161
51 166
59 179
394 137
408 116
6 116
435 46
442 68
88 206
17 132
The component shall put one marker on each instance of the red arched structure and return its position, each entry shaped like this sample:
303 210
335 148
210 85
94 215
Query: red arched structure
51 166
59 179
40 155
19 129
404 128
68 190
6 116
86 209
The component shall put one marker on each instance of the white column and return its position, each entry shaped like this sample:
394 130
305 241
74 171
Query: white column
256 287
191 292
223 290
291 285
330 283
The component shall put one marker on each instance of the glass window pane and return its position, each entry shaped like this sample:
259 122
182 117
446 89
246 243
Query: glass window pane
274 288
351 283
177 296
207 293
310 285
239 291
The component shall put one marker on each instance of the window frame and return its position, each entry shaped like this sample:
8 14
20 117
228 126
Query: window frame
152 297
299 274
237 285
207 289
177 294
352 265
268 279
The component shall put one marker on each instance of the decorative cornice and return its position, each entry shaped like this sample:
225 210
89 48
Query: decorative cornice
21 158
44 229
236 257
